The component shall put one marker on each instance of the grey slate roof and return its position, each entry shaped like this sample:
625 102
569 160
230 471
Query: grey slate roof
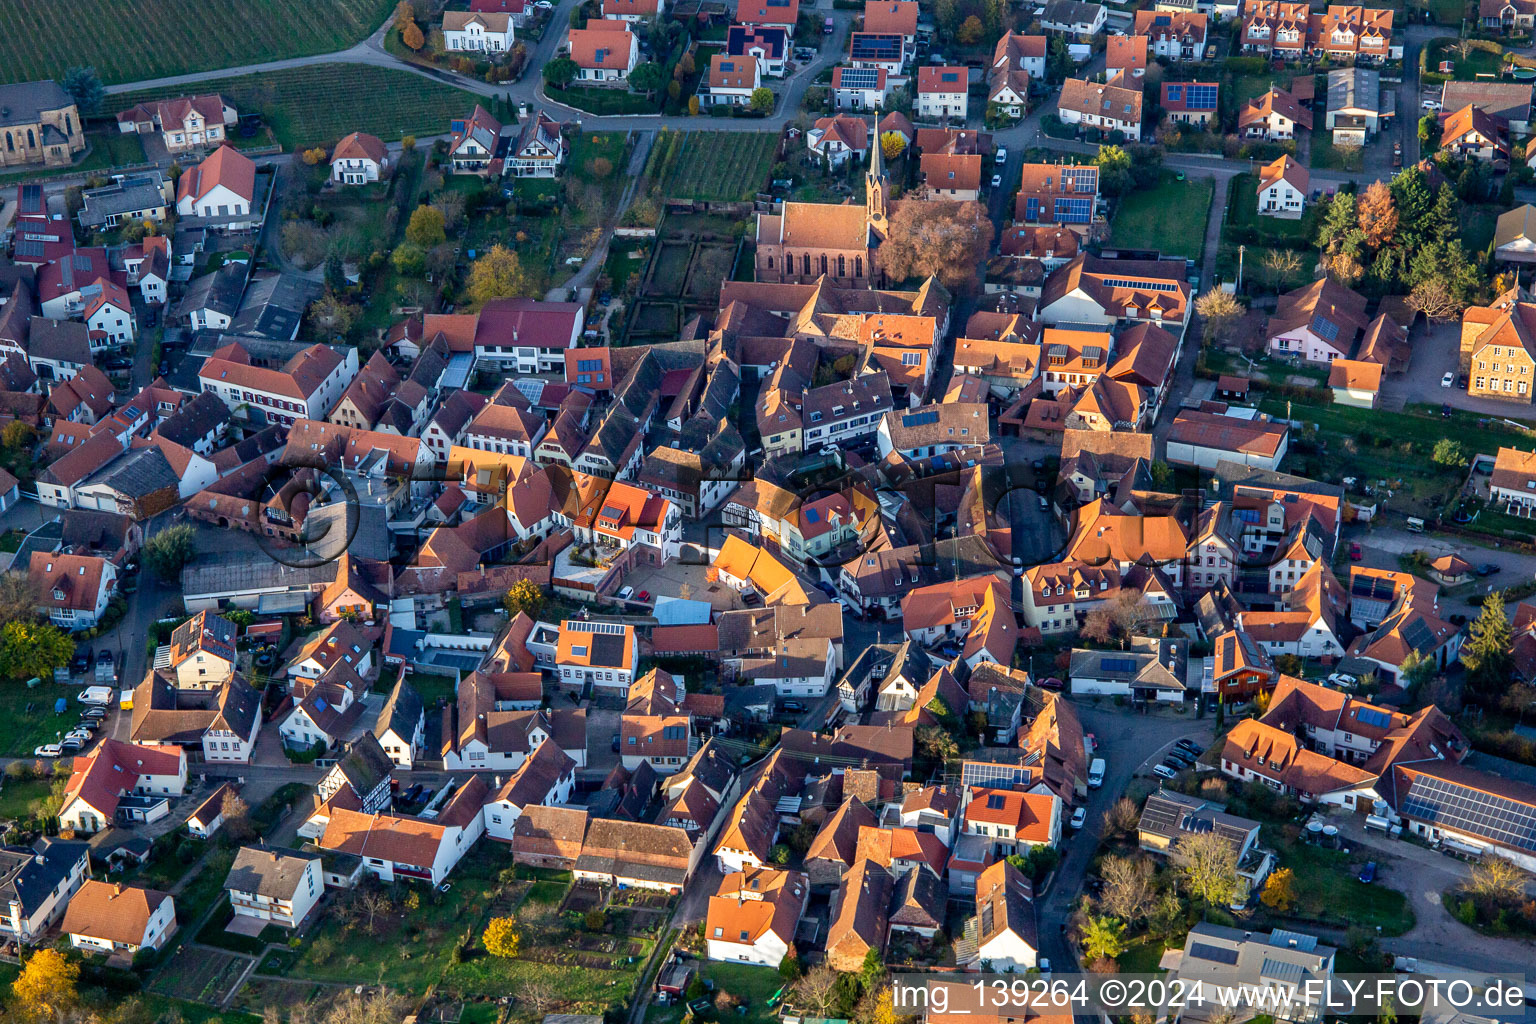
219 291
271 871
402 712
24 102
192 422
365 764
273 306
138 473
28 876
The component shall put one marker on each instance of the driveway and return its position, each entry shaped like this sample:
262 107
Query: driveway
1422 875
1126 740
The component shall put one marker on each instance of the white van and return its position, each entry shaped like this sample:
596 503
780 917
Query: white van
96 695
1096 773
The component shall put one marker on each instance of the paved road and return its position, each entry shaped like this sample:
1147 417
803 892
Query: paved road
1126 741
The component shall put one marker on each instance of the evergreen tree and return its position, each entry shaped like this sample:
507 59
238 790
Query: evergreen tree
1339 218
1445 219
1487 650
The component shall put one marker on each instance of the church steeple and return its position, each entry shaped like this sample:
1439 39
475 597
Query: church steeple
875 182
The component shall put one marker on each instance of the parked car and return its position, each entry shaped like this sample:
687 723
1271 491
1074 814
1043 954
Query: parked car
1190 747
96 713
1164 771
1079 818
997 181
793 705
1355 554
625 593
48 750
81 662
1179 758
82 735
1001 157
1449 380
1051 683
1368 873
644 595
1489 569
69 745
613 744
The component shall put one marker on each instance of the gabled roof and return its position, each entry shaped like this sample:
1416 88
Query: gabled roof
226 166
111 911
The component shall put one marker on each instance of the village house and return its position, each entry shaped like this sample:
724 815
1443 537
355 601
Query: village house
184 123
274 885
477 32
605 52
358 159
110 917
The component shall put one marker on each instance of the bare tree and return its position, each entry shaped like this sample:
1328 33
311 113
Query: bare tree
18 597
538 996
1280 264
373 903
1128 889
237 816
381 1007
818 988
1433 298
1496 879
1121 818
1209 866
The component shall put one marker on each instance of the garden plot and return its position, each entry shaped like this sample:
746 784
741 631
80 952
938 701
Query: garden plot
202 975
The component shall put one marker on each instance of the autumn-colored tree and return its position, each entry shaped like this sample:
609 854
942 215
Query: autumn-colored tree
949 240
496 275
412 37
405 15
501 938
1220 311
237 816
1103 937
693 106
892 144
1345 269
45 990
1496 879
426 227
1279 892
33 649
1378 215
523 596
970 31
1208 865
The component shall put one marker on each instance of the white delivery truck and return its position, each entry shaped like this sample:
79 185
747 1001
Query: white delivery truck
102 695
1096 773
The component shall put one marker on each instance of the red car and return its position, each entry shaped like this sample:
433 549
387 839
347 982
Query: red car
1355 554
644 595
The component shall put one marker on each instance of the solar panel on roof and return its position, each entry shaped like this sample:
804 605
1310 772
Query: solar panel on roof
860 78
876 46
1215 954
1325 329
1373 718
1201 97
1117 664
1175 93
1474 811
918 419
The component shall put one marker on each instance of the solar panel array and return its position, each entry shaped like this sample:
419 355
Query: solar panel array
1121 665
589 626
918 419
876 46
1201 97
1074 211
1081 178
1452 805
1373 718
1215 954
990 775
859 78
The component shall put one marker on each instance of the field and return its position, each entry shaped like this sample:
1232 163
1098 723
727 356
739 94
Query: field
23 730
135 40
318 104
1170 218
1377 445
722 166
204 976
1478 61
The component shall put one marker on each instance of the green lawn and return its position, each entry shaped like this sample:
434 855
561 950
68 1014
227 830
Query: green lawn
1328 890
23 798
755 984
599 100
1376 445
1477 61
1246 87
1243 212
108 148
727 166
1327 156
590 147
27 720
1170 217
1141 957
318 104
432 688
135 40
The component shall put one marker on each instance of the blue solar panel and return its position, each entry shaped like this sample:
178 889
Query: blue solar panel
1117 664
1175 93
1202 97
875 46
1074 211
918 419
1325 329
1373 718
859 78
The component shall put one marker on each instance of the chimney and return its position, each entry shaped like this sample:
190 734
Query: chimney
117 890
